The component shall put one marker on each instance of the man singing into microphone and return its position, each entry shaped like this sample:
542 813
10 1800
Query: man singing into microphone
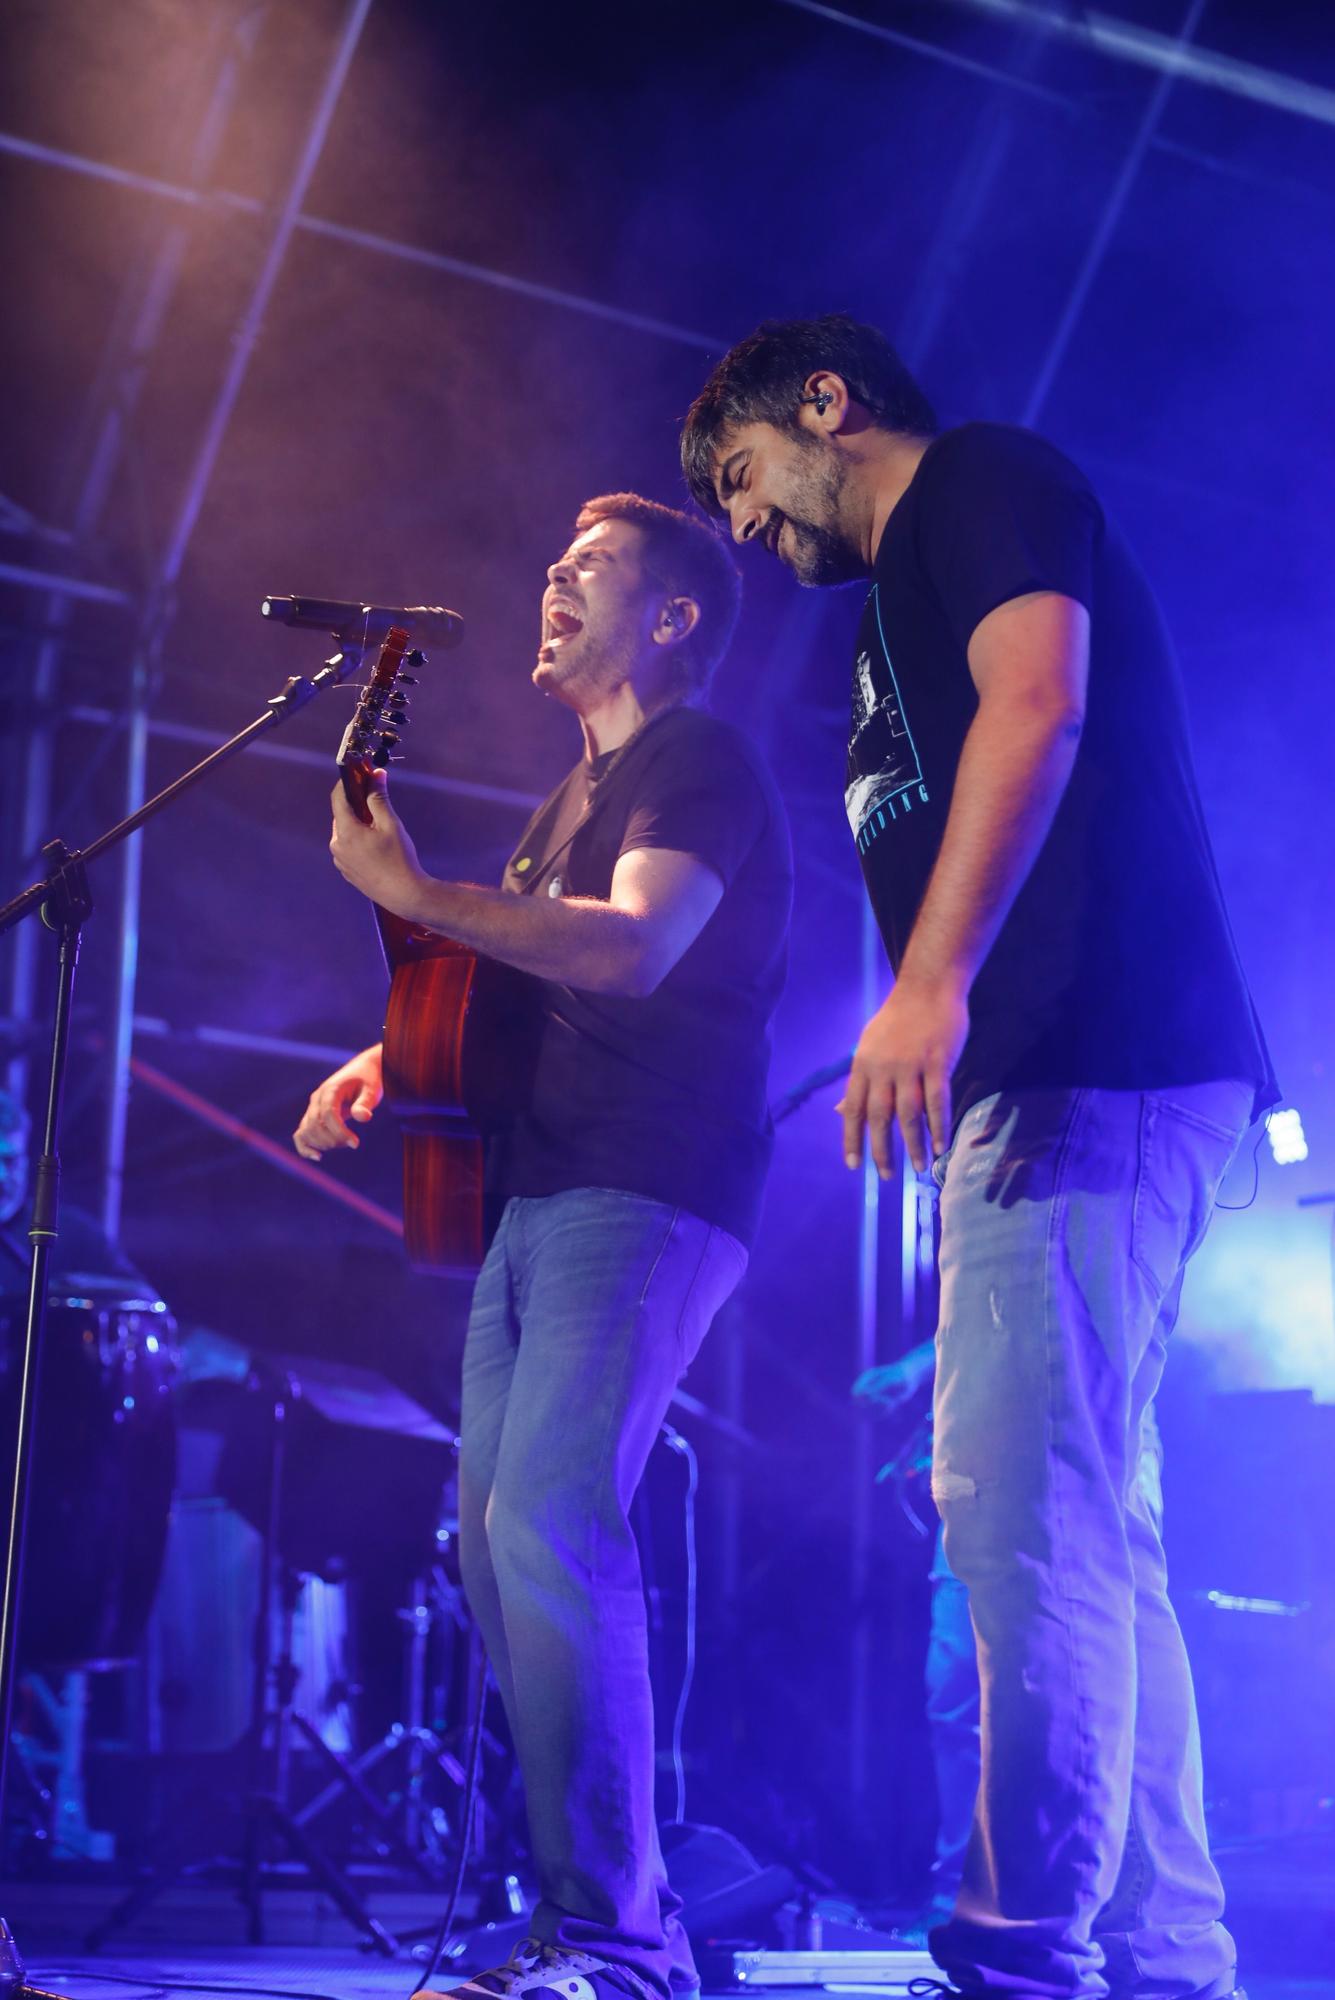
649 900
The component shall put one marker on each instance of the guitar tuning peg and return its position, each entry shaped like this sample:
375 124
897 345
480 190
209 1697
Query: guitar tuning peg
408 680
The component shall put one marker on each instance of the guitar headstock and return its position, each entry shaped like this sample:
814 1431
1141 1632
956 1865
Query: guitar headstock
372 736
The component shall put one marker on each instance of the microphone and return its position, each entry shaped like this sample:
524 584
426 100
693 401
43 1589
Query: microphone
363 623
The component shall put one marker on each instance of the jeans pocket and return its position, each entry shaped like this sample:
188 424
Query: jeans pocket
1183 1158
722 1267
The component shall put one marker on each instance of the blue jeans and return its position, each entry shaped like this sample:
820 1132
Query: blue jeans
954 1699
587 1311
1067 1217
952 1726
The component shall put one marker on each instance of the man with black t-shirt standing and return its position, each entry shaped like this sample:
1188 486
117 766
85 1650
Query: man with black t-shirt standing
1071 1035
649 901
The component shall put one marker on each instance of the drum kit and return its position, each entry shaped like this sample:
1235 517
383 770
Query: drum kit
316 1485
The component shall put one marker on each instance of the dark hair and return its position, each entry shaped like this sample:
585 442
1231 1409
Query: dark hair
685 558
761 379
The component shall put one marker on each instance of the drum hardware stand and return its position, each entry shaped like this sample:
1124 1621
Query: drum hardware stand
347 1774
270 1811
65 903
419 1746
509 1903
266 1811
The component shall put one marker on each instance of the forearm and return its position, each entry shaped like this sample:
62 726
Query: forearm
574 941
1013 769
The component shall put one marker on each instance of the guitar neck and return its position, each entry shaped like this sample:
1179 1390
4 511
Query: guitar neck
382 711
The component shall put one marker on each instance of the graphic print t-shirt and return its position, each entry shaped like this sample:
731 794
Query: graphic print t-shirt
1115 967
663 1095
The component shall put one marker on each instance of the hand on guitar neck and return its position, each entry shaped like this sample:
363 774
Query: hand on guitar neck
373 850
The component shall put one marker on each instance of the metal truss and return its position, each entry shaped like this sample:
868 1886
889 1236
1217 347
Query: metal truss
1113 38
157 602
1146 48
1173 60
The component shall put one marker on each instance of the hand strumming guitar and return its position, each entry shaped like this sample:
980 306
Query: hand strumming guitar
351 1092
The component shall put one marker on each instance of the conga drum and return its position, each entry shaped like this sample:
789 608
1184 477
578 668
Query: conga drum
104 1465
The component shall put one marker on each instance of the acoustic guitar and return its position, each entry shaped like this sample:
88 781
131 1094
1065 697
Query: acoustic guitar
459 1028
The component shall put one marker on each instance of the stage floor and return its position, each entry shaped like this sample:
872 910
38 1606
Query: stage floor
342 1973
191 1941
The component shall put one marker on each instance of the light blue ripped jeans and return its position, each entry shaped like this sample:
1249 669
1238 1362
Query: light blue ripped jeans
1067 1217
587 1311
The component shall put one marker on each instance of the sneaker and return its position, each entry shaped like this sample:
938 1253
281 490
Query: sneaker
552 1971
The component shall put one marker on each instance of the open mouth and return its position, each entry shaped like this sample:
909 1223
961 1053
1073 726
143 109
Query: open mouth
562 623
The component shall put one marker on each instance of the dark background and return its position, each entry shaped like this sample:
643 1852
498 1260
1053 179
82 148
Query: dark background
528 232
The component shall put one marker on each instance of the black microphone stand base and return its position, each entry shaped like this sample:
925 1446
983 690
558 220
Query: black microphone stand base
11 1965
13 1981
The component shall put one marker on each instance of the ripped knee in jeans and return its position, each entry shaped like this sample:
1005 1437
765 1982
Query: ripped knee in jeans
948 1485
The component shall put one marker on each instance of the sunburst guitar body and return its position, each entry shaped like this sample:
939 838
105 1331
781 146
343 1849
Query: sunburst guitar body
459 1028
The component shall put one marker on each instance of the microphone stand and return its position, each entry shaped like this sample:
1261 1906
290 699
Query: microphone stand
65 902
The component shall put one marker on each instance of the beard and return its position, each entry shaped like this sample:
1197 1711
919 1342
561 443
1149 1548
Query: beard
819 557
588 666
818 551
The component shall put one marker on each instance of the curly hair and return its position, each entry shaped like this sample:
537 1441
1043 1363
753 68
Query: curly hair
761 379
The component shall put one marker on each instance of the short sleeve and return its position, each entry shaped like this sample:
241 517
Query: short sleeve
1003 513
700 796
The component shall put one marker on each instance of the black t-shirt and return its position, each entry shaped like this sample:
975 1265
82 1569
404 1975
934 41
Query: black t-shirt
663 1095
1115 966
